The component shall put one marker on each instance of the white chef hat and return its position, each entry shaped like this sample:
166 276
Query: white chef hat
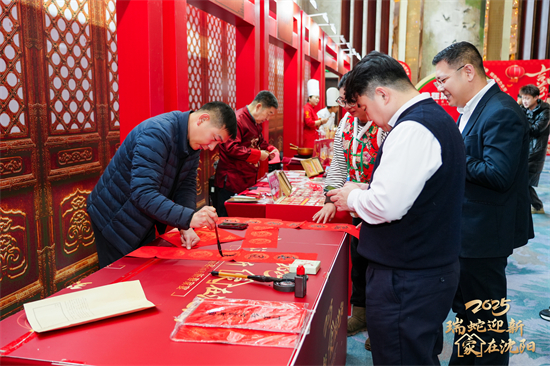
332 95
313 87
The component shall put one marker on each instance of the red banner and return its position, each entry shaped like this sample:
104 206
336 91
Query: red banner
509 75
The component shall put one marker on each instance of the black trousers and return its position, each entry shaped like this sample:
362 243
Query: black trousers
405 311
222 195
359 266
481 279
535 200
107 253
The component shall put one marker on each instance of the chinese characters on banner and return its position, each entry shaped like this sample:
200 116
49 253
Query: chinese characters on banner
470 343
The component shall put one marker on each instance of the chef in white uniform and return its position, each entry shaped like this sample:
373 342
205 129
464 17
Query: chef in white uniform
329 111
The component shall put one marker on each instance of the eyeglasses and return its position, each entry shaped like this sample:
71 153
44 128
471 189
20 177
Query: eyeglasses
342 103
440 83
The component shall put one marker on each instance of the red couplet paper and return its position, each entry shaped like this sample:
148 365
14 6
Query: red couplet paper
261 236
249 337
350 229
283 224
271 257
247 220
181 253
207 236
245 314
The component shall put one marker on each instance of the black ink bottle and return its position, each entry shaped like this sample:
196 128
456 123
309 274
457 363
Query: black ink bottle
300 282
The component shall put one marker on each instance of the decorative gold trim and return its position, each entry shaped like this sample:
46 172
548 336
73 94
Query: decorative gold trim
20 295
13 259
72 139
31 23
64 173
19 181
66 273
74 156
19 145
11 165
80 230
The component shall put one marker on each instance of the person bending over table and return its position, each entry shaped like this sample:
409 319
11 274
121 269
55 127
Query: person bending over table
151 181
410 232
356 145
240 158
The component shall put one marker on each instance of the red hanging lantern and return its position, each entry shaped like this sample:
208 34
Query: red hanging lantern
514 72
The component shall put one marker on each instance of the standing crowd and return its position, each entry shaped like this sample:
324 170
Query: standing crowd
441 204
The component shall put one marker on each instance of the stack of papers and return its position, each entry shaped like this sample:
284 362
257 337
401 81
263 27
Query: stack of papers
86 306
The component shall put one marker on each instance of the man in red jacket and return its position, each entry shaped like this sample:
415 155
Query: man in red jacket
240 158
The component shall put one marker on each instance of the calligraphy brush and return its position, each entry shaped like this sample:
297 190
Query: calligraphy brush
218 239
250 277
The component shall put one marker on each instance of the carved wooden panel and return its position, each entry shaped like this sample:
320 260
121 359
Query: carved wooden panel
276 86
211 50
12 100
59 128
69 62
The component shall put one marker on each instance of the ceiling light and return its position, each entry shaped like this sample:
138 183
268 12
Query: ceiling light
324 15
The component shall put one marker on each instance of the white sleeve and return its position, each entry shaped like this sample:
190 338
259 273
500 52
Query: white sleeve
323 113
411 156
338 171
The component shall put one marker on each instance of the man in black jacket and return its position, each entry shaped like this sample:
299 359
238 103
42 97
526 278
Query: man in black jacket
538 115
495 209
411 212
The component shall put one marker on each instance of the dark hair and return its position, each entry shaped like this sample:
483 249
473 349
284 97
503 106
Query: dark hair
529 89
267 99
222 116
459 54
374 70
342 82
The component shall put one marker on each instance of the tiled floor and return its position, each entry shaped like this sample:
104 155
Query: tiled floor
528 274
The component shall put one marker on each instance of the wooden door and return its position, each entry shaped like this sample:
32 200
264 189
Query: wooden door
211 46
59 129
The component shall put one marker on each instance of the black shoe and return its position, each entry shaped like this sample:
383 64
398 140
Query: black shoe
545 314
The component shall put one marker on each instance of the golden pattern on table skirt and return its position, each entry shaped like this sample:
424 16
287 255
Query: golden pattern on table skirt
331 328
13 242
74 156
11 165
75 222
78 285
186 285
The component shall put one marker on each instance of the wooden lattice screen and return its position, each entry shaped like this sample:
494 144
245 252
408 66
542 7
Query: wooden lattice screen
59 128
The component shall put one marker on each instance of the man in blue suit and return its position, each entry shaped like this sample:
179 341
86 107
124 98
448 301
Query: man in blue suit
151 181
496 215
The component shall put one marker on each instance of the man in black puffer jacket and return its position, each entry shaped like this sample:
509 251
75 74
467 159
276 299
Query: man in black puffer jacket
538 115
151 181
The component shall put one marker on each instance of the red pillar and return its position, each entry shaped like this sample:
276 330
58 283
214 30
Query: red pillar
294 108
140 50
176 80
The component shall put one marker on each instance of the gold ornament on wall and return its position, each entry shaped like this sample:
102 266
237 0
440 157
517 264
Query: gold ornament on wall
75 222
13 259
